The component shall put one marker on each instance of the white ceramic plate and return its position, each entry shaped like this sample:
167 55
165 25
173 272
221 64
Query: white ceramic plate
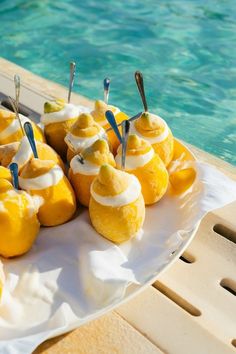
72 275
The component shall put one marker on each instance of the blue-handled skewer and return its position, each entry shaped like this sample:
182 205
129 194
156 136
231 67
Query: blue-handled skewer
30 135
111 120
130 120
14 174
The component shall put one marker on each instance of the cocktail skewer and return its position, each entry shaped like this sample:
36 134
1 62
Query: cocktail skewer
125 134
16 113
139 81
14 173
72 78
112 121
15 105
106 85
30 135
17 90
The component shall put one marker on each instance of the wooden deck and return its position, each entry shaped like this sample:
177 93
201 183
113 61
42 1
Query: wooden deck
191 308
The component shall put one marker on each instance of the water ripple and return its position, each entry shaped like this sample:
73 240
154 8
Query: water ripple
185 49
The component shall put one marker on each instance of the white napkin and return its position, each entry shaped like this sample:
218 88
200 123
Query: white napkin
73 275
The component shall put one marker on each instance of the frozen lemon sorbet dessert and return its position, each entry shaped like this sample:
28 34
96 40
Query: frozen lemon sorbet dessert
7 153
47 180
155 130
146 165
116 207
21 153
58 118
19 224
82 173
83 134
99 115
182 169
10 129
5 173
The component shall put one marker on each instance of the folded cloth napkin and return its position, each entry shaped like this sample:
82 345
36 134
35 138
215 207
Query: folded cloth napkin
73 275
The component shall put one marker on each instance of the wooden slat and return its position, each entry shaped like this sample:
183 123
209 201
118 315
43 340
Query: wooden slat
107 335
194 310
169 326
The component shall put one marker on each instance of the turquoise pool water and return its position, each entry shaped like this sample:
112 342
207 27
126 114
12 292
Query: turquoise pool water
185 49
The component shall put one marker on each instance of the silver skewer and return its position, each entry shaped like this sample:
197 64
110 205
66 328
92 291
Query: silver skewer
139 81
125 134
72 78
106 85
17 90
13 104
130 120
17 99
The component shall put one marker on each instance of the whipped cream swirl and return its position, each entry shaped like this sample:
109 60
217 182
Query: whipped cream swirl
134 161
156 139
13 127
129 195
23 154
69 111
80 143
48 179
87 168
14 196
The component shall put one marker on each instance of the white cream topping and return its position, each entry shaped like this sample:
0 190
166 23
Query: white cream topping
14 127
80 143
134 161
35 202
23 154
69 111
14 196
180 164
156 139
51 178
115 111
131 193
87 168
